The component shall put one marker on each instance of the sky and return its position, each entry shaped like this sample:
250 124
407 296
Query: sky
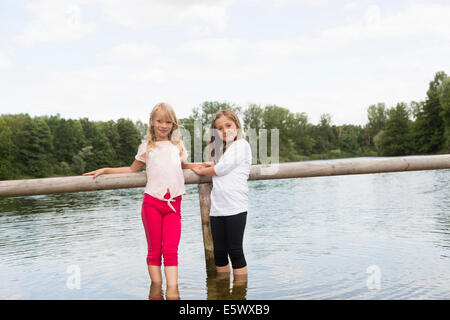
111 59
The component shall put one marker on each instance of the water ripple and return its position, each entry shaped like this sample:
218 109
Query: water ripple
311 238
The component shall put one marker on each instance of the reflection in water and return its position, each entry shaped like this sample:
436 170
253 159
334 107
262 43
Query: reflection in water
157 293
218 287
326 231
172 293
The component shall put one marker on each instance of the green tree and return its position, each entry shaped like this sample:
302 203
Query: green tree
103 154
397 138
16 124
348 138
281 119
35 149
64 138
204 114
428 128
112 141
300 134
207 109
253 117
444 98
324 135
6 152
79 163
377 141
416 108
129 139
377 119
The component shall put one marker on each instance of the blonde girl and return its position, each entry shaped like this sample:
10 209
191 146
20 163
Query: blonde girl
164 156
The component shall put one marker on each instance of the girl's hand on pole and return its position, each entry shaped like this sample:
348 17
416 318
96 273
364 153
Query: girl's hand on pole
207 164
198 170
95 173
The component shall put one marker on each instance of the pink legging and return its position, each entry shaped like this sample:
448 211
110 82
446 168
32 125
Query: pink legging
162 228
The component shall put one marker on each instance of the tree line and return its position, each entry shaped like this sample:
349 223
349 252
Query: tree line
45 146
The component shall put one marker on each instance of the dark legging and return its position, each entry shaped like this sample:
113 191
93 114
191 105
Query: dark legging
228 234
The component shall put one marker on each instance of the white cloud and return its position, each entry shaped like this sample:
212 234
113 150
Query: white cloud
138 14
118 87
279 3
5 62
350 6
430 20
199 31
131 52
54 21
215 48
416 20
301 71
372 15
243 50
59 21
106 92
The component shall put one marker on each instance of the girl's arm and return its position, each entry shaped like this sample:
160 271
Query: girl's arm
205 171
191 165
136 166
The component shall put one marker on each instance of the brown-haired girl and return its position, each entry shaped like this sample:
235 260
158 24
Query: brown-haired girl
229 196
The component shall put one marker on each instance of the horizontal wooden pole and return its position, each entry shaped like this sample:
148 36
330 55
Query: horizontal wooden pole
318 168
321 168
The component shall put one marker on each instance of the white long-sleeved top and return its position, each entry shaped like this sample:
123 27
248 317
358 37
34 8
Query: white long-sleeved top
229 195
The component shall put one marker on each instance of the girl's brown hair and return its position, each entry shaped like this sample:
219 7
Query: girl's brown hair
174 135
230 114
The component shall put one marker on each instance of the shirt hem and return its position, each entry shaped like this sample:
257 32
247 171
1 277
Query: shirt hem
162 198
231 213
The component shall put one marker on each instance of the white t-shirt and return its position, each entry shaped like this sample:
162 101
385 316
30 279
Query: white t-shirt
163 169
229 195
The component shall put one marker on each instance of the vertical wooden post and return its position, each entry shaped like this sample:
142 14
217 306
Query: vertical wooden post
204 194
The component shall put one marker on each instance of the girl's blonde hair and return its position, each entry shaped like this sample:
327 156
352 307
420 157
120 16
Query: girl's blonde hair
233 117
174 135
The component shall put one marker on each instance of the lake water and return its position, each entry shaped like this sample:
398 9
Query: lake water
375 236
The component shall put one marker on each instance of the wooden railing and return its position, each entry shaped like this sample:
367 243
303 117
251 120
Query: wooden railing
11 188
